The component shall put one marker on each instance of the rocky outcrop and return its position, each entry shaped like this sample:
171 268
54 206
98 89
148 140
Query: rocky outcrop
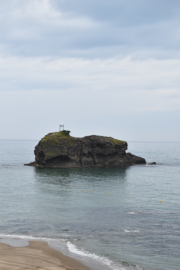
60 150
152 163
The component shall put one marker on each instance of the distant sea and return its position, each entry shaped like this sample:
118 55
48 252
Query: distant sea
71 209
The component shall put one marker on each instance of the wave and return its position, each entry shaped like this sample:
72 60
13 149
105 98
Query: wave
74 249
28 237
107 262
131 231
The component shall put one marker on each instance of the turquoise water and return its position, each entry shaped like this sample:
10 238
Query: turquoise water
128 229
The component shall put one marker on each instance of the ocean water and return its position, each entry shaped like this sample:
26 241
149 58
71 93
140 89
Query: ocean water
71 209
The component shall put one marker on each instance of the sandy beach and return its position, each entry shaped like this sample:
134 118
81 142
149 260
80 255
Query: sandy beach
37 255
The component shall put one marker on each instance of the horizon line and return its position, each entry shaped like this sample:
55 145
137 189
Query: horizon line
80 137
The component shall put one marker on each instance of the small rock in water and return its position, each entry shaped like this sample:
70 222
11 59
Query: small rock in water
152 163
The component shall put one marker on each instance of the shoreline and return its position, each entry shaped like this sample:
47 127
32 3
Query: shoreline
38 255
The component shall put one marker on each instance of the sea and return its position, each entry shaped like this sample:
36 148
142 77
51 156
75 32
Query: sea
107 218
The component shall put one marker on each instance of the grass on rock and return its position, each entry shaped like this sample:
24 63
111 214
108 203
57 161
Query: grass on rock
55 136
115 141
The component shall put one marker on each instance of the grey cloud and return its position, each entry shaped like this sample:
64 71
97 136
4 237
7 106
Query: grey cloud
122 12
91 29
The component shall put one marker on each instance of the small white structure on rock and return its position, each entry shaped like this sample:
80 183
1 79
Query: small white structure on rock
61 126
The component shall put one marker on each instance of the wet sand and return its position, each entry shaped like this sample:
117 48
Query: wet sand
36 256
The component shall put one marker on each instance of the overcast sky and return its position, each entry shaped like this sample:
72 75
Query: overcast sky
104 67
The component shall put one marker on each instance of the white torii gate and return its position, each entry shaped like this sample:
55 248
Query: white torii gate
61 126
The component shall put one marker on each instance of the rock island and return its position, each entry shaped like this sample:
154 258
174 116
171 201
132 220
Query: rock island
60 150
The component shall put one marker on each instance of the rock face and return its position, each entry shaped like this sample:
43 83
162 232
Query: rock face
60 150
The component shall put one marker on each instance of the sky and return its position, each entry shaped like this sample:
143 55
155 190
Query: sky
104 67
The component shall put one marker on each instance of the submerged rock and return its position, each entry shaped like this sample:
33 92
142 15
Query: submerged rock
60 150
152 163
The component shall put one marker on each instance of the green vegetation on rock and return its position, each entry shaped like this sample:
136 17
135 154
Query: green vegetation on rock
55 136
115 141
53 141
51 154
66 132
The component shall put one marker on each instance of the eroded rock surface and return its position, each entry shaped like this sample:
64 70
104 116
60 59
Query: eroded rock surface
59 150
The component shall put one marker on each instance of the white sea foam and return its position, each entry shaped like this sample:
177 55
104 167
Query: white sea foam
131 231
132 213
29 237
74 249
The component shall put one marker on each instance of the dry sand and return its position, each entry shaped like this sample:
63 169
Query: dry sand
37 256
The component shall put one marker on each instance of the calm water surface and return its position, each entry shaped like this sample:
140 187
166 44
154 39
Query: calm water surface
128 229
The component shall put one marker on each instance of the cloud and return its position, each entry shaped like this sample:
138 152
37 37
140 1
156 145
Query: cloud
107 66
95 29
153 84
